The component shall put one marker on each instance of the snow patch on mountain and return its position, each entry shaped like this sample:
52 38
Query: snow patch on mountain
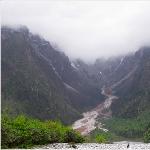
70 87
73 65
121 61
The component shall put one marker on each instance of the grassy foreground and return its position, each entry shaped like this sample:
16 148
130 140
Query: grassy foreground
25 132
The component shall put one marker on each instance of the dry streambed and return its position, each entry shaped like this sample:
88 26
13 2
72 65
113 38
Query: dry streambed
88 123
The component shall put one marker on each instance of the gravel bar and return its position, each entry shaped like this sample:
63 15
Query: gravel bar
91 146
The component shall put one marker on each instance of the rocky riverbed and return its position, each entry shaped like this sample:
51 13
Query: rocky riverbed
90 146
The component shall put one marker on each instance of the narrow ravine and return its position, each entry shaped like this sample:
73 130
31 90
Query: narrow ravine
89 121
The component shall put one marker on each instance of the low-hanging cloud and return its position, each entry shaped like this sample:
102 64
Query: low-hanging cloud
84 29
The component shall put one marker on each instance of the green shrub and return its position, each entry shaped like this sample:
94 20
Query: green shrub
24 132
147 136
72 136
100 139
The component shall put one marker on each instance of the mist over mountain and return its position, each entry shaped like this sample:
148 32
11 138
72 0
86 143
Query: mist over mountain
77 83
84 30
40 81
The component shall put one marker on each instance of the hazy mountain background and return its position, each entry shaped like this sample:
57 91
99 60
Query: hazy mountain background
41 81
85 30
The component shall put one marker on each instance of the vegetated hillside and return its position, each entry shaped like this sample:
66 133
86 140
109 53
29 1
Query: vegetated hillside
131 111
39 81
134 92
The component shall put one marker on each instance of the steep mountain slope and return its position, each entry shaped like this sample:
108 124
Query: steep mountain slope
134 92
80 90
29 81
40 81
128 77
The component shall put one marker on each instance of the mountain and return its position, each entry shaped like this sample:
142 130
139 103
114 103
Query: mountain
41 81
125 82
134 91
128 77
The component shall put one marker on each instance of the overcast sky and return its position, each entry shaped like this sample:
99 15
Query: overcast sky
84 29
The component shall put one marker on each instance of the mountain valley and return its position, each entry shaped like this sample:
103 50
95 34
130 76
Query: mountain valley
42 82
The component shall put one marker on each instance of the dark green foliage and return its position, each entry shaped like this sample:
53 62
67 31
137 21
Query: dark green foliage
24 132
147 136
100 138
129 128
69 136
125 127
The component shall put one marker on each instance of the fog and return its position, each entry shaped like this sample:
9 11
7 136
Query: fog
84 29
